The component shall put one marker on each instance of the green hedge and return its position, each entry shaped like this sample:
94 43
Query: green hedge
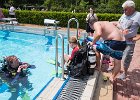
37 17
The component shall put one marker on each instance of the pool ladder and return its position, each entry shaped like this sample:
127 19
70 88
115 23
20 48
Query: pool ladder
68 30
54 22
62 58
62 39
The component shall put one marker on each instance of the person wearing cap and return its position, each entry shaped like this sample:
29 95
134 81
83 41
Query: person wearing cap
129 22
74 45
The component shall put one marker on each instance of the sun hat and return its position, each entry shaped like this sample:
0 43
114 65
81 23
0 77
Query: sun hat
72 39
128 3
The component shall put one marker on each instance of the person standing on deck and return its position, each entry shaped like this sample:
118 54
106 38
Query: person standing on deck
114 43
130 22
12 11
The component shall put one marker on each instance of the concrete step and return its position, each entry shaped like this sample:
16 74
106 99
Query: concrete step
51 89
90 87
104 89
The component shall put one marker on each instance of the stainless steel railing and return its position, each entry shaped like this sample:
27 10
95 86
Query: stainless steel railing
54 22
68 32
62 58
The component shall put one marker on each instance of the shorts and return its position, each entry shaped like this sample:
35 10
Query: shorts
12 16
88 29
128 54
116 45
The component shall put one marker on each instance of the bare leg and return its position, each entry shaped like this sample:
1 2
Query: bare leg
116 70
111 64
98 58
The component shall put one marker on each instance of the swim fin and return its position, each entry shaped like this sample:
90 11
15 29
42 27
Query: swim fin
50 61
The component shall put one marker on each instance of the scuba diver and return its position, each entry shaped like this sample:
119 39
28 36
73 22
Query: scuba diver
14 77
13 68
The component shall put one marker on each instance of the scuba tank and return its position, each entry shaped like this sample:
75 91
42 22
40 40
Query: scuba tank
92 57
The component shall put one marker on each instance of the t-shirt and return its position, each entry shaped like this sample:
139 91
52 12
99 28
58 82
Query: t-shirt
132 23
73 52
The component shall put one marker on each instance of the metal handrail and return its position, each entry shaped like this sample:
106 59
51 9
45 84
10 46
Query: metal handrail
54 22
68 33
62 59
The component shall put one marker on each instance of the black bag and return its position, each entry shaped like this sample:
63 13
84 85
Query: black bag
79 65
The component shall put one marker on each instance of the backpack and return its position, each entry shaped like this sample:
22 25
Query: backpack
79 65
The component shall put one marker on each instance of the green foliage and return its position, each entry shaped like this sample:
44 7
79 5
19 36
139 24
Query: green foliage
5 12
83 3
137 2
112 6
37 17
102 6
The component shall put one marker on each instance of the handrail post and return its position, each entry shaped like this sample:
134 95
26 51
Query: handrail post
54 22
68 33
56 57
62 59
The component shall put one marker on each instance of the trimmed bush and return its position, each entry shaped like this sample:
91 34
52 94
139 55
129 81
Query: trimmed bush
37 17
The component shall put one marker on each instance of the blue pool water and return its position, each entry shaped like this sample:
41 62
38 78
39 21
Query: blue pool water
34 49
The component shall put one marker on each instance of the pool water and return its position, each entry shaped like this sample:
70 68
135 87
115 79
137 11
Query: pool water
34 49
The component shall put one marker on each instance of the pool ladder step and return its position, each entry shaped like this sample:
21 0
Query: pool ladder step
49 92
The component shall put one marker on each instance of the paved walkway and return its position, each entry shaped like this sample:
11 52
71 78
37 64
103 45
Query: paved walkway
104 89
129 89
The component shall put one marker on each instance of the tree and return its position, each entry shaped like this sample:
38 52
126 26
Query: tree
137 2
48 3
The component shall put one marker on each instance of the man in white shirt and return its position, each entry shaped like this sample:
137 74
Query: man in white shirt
129 21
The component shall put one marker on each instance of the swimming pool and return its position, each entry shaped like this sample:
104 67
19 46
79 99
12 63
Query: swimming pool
34 49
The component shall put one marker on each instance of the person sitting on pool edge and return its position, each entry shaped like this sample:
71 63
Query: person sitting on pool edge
12 66
75 46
